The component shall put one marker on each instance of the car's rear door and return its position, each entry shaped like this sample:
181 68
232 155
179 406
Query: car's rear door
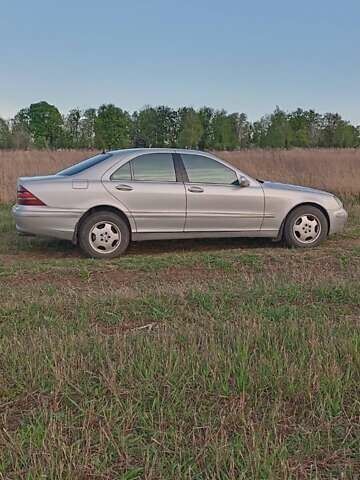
215 200
148 186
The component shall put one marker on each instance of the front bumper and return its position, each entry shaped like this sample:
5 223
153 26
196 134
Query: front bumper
338 219
46 221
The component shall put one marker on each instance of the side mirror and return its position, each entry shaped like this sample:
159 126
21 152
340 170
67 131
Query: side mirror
243 181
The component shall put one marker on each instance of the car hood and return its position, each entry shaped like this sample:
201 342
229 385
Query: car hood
292 188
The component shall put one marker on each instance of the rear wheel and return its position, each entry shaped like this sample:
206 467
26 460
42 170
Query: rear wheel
104 234
305 227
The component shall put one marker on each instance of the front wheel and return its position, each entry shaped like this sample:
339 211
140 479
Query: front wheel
305 227
104 234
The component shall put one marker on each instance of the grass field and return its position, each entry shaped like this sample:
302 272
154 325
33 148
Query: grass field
208 359
335 170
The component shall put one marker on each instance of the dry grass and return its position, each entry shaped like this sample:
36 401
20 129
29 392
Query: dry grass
22 163
330 169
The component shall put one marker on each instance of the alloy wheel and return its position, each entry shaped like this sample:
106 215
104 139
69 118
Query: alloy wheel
104 237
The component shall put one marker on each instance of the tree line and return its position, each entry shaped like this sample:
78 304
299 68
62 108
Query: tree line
41 125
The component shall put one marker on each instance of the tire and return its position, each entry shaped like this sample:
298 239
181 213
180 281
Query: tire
305 227
104 234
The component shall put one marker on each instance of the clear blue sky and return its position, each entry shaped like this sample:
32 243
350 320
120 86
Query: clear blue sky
240 55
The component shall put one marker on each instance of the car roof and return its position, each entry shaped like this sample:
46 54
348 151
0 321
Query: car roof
154 150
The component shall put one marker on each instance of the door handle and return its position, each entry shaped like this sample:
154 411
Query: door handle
124 188
195 189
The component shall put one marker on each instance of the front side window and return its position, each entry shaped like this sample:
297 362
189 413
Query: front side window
155 167
202 169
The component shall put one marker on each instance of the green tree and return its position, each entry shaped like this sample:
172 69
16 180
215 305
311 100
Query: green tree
5 135
154 127
87 128
206 115
243 130
279 133
144 132
225 131
112 128
338 133
258 132
20 130
45 125
305 126
41 125
313 120
300 128
190 128
72 129
166 126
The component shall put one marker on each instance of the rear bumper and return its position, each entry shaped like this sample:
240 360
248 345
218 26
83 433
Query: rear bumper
338 219
46 221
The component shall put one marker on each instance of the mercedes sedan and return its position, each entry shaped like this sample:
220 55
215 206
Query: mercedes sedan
106 201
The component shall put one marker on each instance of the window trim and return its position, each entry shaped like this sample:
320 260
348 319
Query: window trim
181 173
188 181
176 170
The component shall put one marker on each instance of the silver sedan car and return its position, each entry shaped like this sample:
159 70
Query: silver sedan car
106 201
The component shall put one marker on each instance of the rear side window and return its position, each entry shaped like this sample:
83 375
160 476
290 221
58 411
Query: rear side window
151 167
84 165
202 169
154 167
122 173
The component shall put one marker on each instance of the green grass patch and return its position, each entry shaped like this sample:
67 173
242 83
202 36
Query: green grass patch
222 362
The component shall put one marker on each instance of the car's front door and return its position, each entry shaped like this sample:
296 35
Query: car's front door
215 199
147 185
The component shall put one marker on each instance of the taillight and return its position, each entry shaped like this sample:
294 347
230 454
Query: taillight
24 197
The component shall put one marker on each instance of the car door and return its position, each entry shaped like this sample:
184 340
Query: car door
215 199
147 185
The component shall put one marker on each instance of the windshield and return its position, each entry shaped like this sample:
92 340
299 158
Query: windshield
84 165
